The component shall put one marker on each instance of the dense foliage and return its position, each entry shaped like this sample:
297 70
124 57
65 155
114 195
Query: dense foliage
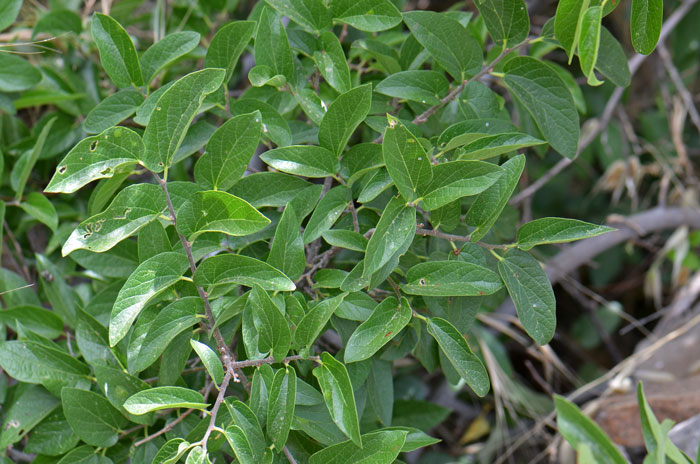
261 233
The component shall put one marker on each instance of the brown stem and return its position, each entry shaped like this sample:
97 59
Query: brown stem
18 250
289 456
271 360
456 238
165 429
217 404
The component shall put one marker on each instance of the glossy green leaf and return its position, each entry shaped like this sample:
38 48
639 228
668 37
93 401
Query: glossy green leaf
612 60
302 160
40 208
532 294
171 451
117 386
346 112
227 45
210 360
579 429
9 9
255 188
556 230
385 322
152 240
262 75
465 132
155 399
271 45
280 411
92 417
645 24
420 86
345 239
240 444
540 89
450 278
274 126
241 270
273 331
396 225
406 160
214 211
567 24
165 51
366 15
359 160
52 437
197 455
151 278
332 63
287 252
457 179
490 146
133 208
315 320
327 212
35 318
589 42
447 41
507 21
380 447
91 337
16 74
312 15
174 111
111 111
24 166
339 397
247 422
31 404
117 52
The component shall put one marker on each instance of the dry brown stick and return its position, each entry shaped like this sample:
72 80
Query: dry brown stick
680 86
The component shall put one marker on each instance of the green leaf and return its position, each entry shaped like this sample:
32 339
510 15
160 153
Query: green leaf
52 437
332 63
495 145
152 240
532 294
173 319
457 179
34 318
32 403
366 15
155 399
241 270
589 42
415 439
133 208
346 112
210 360
173 114
16 74
240 444
111 111
21 172
339 397
455 347
359 160
450 278
488 205
271 45
41 209
214 211
280 411
9 9
655 436
567 24
327 212
274 126
96 157
556 230
580 430
287 252
465 132
255 188
171 451
612 60
302 160
228 152
197 455
117 52
540 89
227 45
117 386
345 239
385 322
92 417
311 15
380 447
645 24
447 41
150 279
262 75
165 51
315 320
506 20
248 423
273 331
406 160
91 337
396 225
420 86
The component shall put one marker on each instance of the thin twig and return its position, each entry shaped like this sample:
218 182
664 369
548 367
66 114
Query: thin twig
456 238
217 404
271 360
289 456
165 429
18 250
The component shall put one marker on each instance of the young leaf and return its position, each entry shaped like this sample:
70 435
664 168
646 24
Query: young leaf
385 322
273 331
645 23
489 204
271 45
240 444
396 225
287 252
171 451
40 208
506 20
92 417
327 212
450 278
447 41
22 171
312 15
245 419
556 230
580 430
259 391
457 179
406 160
280 411
227 45
302 160
241 270
173 114
315 320
366 15
567 24
346 112
197 455
151 278
420 86
262 75
532 294
540 89
339 397
165 51
155 399
117 52
656 438
214 211
380 447
331 62
455 347
111 111
133 208
210 360
589 42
